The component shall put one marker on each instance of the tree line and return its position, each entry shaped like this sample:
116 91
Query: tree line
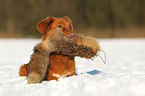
21 17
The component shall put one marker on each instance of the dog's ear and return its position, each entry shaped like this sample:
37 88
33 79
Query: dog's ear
45 24
67 18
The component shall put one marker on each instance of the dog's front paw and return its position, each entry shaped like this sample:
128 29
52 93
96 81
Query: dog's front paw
33 77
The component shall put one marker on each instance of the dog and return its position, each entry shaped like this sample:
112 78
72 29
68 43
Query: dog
60 64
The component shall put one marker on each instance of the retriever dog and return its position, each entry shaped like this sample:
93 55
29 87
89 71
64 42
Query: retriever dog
61 64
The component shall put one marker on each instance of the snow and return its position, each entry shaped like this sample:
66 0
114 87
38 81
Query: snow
122 75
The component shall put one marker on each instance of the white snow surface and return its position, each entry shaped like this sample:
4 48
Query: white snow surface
122 75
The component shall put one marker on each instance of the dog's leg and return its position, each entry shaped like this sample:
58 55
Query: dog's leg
24 70
71 67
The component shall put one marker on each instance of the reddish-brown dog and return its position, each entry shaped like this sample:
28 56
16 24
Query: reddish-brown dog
60 65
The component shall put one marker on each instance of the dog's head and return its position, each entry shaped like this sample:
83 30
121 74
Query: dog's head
45 25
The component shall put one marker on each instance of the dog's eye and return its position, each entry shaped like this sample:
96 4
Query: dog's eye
70 27
59 26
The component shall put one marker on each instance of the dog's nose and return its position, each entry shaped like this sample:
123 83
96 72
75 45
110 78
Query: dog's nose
71 34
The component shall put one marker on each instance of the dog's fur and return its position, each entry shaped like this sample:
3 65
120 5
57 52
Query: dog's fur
61 62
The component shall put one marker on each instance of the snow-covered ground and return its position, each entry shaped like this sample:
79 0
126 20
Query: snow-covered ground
122 75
